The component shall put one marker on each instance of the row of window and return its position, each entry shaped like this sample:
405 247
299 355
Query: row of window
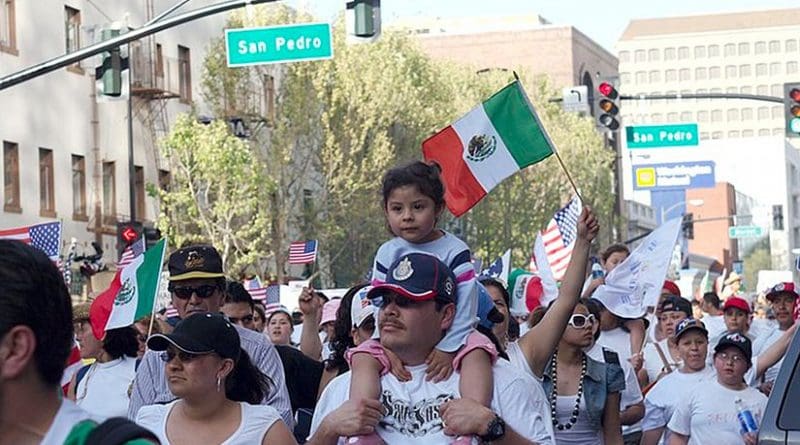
712 72
709 51
47 196
717 115
72 42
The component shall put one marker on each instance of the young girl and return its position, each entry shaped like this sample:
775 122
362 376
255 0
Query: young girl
413 201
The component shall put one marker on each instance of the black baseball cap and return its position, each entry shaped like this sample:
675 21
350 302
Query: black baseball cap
420 277
690 324
737 340
201 261
201 334
673 303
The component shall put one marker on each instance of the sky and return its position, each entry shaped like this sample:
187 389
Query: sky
602 21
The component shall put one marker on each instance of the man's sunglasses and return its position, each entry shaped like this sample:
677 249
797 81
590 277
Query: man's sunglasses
185 292
578 321
185 357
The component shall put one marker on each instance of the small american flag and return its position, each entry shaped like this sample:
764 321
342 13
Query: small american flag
303 252
46 237
559 237
272 300
258 293
170 312
131 252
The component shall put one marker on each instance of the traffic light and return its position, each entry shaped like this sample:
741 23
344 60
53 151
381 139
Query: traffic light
777 217
791 106
110 72
127 233
606 106
688 226
151 236
363 18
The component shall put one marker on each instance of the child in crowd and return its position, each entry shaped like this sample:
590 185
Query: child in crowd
413 202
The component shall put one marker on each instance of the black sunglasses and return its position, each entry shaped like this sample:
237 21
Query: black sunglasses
185 292
185 357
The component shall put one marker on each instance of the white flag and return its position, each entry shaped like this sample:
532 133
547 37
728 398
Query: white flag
637 282
549 285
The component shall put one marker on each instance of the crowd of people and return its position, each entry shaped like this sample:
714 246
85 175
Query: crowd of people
427 352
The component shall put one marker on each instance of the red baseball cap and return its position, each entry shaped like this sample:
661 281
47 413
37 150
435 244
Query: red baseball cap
782 288
672 288
738 303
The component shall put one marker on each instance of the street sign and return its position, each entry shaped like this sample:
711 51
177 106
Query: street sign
674 176
745 232
278 44
575 99
652 136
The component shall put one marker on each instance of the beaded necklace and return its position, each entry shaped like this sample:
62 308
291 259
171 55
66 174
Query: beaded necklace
554 394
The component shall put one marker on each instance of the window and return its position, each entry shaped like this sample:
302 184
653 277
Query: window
683 52
671 75
745 71
72 27
702 116
184 74
138 189
730 72
762 90
653 55
716 115
164 180
761 69
656 118
764 132
672 117
791 45
639 55
109 194
8 30
700 73
777 112
686 116
733 115
733 134
714 72
747 114
716 135
47 199
670 93
746 90
732 90
744 49
776 90
729 50
761 47
774 46
669 53
791 67
624 56
763 113
79 188
683 74
159 61
11 177
778 131
625 78
775 68
269 97
713 51
641 77
699 52
747 133
654 76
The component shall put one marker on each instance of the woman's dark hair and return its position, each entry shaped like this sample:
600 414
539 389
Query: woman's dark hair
246 383
424 176
288 316
489 334
594 308
499 286
612 249
341 333
121 342
513 329
258 307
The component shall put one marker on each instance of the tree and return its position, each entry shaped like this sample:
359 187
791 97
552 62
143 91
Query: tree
216 192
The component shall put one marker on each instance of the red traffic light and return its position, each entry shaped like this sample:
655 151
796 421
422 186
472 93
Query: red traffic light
795 94
606 89
129 234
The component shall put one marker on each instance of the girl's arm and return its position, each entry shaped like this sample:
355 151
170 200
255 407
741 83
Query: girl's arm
612 429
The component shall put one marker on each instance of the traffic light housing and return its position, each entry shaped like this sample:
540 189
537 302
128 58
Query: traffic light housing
363 18
791 106
688 226
607 106
151 236
127 233
110 72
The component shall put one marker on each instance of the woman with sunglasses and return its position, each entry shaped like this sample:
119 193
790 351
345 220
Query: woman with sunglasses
218 389
584 393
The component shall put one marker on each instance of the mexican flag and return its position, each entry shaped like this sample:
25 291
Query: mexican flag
132 293
490 143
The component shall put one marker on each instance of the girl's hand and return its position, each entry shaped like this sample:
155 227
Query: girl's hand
588 227
440 365
398 368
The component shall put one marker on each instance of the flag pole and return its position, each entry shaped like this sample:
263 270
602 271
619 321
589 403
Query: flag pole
547 137
158 285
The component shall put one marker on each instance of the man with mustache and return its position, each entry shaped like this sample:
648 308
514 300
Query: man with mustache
782 298
417 306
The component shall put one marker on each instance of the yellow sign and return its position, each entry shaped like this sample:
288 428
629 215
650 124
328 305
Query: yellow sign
646 177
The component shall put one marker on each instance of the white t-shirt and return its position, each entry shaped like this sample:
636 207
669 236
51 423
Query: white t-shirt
103 390
518 360
581 433
709 414
761 345
652 360
631 395
666 394
67 416
715 325
256 421
618 341
412 414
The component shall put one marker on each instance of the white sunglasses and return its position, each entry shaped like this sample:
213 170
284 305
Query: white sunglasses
578 321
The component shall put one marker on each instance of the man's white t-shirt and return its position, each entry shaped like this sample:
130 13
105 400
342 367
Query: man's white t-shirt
666 394
653 363
715 325
67 416
760 346
412 408
617 340
103 390
709 414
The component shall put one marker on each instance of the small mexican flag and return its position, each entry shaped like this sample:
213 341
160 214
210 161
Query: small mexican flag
490 143
132 293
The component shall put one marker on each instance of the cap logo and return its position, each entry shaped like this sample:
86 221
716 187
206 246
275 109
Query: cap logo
194 260
780 287
735 337
448 286
403 271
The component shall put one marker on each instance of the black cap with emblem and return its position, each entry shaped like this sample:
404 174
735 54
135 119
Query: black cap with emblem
420 277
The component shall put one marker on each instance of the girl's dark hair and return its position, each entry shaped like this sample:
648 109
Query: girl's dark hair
424 176
612 249
341 333
246 383
594 308
121 342
499 286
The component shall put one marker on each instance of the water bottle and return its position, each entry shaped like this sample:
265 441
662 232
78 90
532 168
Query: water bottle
597 269
747 423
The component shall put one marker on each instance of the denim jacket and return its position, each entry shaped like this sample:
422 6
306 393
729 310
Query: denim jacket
601 379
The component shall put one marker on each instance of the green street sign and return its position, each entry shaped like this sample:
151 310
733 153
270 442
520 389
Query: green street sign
278 44
745 232
652 136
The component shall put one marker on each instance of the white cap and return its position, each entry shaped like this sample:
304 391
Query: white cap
361 307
